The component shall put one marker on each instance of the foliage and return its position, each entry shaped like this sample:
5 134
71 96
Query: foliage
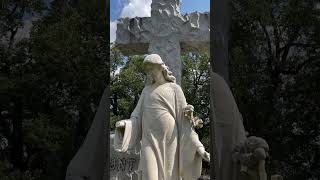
195 84
196 87
275 66
126 84
51 83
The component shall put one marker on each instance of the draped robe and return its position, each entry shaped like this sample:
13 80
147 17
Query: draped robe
168 142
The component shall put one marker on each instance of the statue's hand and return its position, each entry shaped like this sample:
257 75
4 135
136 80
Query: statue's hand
120 124
189 108
204 154
188 111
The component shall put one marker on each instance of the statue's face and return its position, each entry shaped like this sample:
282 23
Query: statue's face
153 69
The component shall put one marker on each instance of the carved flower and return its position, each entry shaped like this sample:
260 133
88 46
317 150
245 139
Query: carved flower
197 122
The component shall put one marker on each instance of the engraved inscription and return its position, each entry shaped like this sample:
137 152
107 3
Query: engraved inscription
122 164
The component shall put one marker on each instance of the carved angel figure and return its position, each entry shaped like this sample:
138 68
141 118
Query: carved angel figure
251 155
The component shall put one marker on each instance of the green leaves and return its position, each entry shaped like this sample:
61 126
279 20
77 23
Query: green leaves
195 85
274 79
59 74
127 82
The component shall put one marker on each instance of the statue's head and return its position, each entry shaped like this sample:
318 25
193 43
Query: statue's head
254 142
153 66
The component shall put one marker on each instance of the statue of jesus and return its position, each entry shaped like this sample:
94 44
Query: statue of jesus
170 148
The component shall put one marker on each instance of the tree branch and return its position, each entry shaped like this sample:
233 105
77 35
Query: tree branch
12 11
302 65
267 37
276 34
270 58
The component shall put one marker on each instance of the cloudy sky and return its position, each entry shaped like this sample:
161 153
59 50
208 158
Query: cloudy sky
142 8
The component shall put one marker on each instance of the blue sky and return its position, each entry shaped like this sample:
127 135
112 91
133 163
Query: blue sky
116 7
141 8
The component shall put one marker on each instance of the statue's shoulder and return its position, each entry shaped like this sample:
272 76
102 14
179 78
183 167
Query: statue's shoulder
175 86
146 87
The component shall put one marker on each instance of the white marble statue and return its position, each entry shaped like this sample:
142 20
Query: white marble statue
163 124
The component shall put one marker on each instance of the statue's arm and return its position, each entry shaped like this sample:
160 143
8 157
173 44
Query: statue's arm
199 146
194 138
128 131
135 115
180 96
137 112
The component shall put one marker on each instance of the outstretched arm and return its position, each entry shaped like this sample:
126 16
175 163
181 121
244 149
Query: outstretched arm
200 148
128 131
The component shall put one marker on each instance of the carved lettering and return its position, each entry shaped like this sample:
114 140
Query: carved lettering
123 164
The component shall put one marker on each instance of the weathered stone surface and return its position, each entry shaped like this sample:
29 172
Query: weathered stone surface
251 156
167 33
188 29
123 166
205 177
164 124
89 162
276 177
228 129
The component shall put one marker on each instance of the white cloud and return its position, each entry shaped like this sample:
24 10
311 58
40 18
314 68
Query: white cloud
134 8
113 29
137 8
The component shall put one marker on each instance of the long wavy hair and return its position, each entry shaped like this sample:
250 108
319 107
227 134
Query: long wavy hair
167 74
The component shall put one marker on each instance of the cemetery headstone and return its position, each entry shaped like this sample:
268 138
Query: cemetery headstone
123 166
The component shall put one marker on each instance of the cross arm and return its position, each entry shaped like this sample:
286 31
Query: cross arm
195 32
132 36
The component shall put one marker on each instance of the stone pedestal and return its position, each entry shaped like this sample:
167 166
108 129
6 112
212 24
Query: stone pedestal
123 166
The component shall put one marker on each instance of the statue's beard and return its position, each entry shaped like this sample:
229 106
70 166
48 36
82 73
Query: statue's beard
166 74
149 80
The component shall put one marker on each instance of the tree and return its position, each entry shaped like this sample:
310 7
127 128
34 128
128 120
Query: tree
195 84
275 68
50 85
127 82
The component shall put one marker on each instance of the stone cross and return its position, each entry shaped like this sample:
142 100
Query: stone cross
166 32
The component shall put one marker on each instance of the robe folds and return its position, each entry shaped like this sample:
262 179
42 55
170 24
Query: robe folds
168 142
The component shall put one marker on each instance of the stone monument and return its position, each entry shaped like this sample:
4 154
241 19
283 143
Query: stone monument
163 123
123 166
89 162
237 157
166 32
251 155
228 129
